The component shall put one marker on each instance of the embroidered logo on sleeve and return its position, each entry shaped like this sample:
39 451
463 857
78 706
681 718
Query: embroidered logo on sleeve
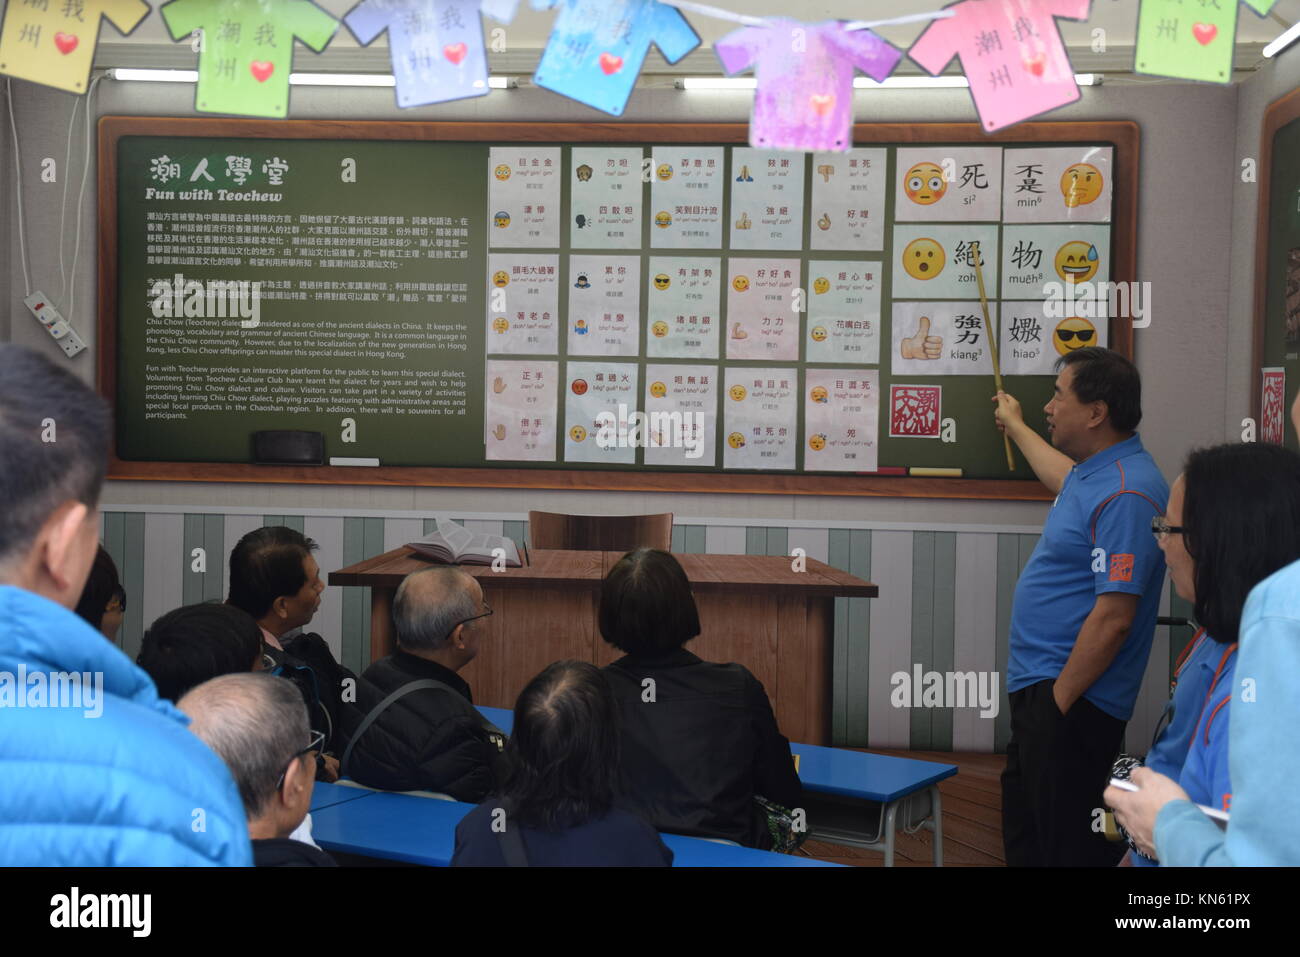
1121 568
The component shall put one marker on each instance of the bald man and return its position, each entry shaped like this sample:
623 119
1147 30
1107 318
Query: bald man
430 738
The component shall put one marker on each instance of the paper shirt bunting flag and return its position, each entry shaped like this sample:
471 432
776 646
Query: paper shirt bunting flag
247 49
1011 52
53 41
1191 41
436 46
596 47
804 95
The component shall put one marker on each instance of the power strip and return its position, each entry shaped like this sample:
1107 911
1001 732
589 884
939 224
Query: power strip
55 324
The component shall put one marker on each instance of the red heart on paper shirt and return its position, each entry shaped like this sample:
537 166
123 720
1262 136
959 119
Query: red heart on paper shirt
610 63
822 103
66 42
455 52
261 69
1037 64
1204 32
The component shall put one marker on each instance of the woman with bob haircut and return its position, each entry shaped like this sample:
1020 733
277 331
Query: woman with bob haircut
1232 521
701 746
558 801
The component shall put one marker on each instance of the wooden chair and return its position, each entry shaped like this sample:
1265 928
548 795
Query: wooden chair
606 533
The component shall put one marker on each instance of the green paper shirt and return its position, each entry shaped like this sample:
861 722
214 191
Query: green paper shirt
247 50
1189 39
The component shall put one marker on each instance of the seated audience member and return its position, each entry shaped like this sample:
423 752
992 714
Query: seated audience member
431 738
558 801
257 724
275 579
77 791
699 750
103 600
1242 759
1230 523
194 644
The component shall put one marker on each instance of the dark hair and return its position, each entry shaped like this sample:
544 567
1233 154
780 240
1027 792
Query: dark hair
1241 515
268 564
101 586
53 444
646 606
564 749
1101 375
190 645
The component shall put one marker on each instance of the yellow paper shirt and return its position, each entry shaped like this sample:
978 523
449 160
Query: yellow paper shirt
53 41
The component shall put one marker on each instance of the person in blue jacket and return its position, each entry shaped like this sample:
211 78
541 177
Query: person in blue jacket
1226 528
97 770
1245 754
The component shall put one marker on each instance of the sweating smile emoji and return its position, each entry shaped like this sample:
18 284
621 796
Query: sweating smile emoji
1077 261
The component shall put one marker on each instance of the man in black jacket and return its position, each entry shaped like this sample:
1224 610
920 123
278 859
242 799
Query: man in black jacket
275 579
431 738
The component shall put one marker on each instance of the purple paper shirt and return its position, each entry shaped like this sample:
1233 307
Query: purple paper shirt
804 99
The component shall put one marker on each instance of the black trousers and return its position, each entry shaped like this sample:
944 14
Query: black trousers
1057 768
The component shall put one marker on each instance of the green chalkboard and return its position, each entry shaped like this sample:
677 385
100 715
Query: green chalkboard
1278 274
396 288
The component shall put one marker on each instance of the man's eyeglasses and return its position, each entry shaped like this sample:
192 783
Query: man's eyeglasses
466 621
1162 529
317 741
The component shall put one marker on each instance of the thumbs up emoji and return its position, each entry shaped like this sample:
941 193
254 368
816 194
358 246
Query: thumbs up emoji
922 345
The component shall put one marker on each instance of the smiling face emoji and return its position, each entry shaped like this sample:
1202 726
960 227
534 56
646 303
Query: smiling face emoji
579 387
577 433
819 393
736 440
663 219
502 172
500 324
658 390
1073 333
662 281
740 283
664 172
737 392
1081 184
500 279
659 329
501 219
924 184
923 259
821 285
818 333
1077 261
817 442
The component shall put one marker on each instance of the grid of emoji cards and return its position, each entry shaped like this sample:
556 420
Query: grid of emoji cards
721 307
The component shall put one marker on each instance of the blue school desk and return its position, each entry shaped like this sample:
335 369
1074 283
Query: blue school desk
327 795
419 830
854 798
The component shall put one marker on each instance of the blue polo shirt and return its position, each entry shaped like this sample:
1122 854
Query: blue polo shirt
1097 539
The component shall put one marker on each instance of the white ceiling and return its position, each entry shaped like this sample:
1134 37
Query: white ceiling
530 27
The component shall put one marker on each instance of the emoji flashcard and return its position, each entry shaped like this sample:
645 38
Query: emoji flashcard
607 396
523 298
681 403
609 196
771 199
764 420
940 338
525 186
683 302
848 199
947 184
1058 184
844 312
608 307
759 299
938 262
519 418
841 416
1039 261
691 194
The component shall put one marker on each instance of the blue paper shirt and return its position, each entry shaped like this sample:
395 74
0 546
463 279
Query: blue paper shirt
596 47
1097 540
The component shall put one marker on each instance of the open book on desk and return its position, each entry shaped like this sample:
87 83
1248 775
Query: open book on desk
455 544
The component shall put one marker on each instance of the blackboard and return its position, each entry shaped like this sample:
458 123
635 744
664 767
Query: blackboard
374 244
1277 273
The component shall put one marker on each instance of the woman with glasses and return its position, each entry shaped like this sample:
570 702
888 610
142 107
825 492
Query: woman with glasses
1233 519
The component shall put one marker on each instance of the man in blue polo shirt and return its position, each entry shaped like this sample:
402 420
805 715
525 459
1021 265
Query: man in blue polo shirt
1084 610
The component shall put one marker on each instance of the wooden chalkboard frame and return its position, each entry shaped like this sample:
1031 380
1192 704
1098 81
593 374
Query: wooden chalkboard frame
1124 136
1280 113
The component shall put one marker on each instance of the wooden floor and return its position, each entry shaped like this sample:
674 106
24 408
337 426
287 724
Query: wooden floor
972 819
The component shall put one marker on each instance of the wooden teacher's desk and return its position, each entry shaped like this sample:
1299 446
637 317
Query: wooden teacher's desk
755 610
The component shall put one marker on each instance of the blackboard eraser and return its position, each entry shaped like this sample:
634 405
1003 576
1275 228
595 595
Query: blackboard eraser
354 463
